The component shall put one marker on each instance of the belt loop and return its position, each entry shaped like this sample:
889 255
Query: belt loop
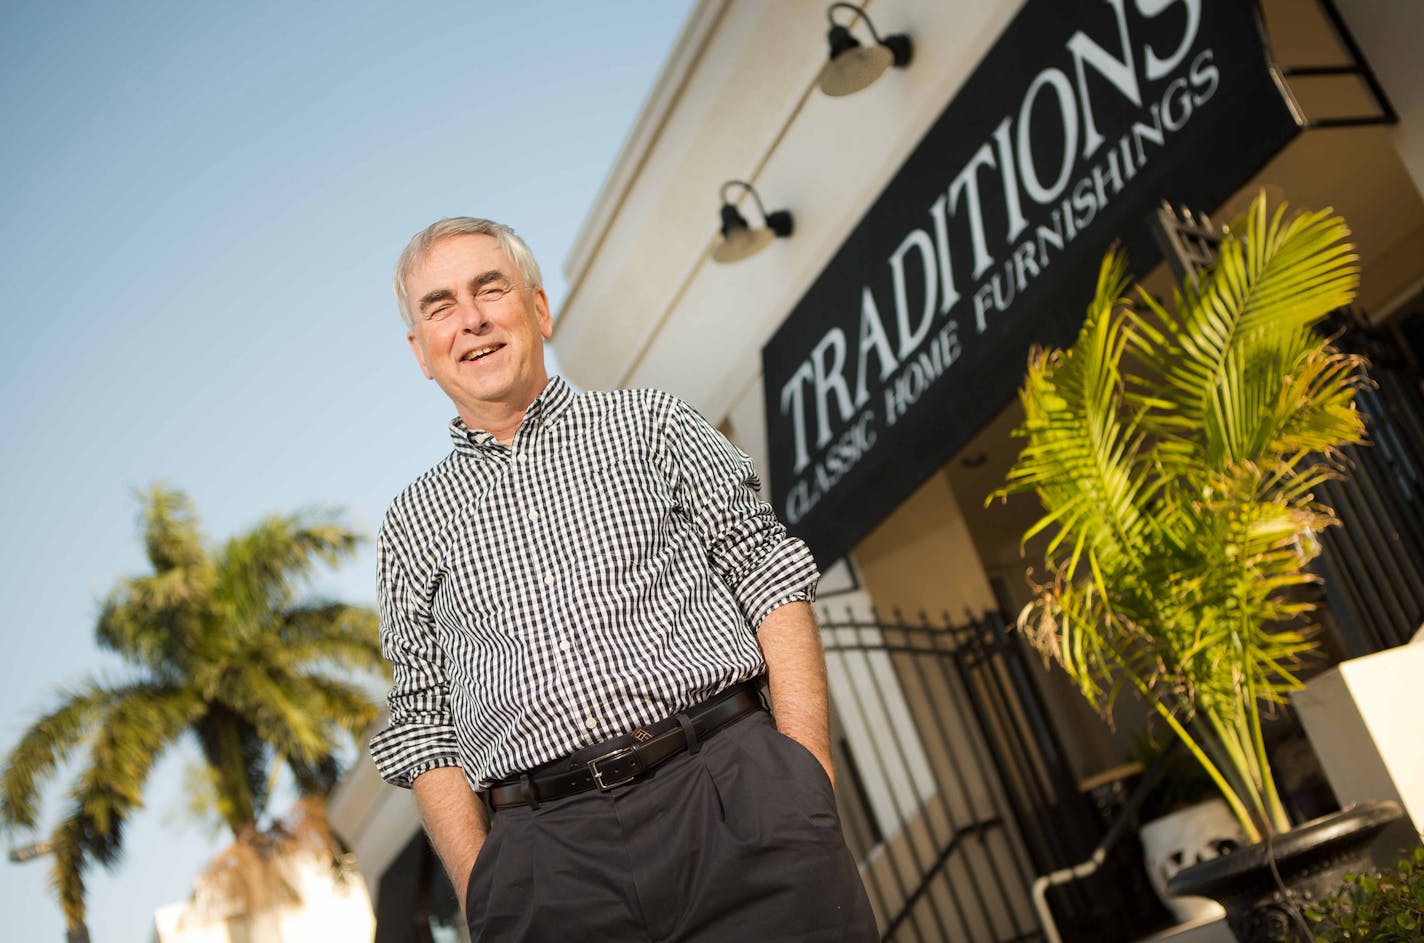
528 782
689 732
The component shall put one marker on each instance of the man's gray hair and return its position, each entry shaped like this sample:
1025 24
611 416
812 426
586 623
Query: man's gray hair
419 247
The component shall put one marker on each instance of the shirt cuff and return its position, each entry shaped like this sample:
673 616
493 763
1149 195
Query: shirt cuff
786 574
401 753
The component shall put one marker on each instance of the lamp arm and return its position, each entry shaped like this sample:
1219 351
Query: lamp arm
746 188
830 11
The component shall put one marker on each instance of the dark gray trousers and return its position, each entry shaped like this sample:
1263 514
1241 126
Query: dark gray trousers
739 842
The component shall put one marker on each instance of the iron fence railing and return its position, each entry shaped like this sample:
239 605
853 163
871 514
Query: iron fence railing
957 794
1373 563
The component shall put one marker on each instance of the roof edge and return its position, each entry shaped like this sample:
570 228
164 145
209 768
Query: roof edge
667 88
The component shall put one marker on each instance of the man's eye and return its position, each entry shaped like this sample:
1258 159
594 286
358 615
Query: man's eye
435 314
491 294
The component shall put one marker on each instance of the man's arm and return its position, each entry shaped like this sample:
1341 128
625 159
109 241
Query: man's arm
418 749
456 821
796 675
772 576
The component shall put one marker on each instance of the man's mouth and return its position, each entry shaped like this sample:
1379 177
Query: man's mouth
480 352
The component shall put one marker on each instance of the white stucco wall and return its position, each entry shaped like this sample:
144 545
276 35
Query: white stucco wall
1389 33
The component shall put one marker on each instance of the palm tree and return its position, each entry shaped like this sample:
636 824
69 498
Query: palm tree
1176 457
219 646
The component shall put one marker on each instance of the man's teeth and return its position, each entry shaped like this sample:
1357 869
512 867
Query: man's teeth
477 354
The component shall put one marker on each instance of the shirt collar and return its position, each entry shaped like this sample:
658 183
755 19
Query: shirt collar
544 411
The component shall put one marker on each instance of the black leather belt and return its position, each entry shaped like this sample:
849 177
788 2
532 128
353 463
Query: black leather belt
633 754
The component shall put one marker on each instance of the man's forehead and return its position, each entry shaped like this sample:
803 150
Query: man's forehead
464 254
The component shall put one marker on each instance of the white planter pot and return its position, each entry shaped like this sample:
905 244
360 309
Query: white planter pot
1197 833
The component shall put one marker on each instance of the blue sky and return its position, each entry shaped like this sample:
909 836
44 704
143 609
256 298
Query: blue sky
200 208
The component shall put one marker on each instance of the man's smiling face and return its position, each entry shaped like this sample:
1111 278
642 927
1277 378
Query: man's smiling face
478 330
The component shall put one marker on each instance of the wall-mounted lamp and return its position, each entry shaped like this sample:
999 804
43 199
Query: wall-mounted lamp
740 241
852 66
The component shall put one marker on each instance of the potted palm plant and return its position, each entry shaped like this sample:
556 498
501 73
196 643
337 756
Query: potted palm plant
1176 455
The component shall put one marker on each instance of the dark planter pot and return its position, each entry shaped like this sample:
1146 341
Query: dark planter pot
1310 860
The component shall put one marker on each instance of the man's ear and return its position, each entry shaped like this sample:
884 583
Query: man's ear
419 355
541 309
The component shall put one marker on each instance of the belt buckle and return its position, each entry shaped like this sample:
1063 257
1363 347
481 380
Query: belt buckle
615 755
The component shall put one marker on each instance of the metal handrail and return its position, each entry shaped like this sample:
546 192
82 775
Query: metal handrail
1093 862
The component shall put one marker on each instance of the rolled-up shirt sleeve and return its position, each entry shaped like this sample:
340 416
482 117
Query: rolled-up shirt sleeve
419 736
747 545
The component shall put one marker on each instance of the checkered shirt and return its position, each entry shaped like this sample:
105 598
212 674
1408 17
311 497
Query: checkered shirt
605 570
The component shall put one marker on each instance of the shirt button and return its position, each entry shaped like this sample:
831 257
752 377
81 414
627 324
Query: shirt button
563 646
549 579
591 723
534 514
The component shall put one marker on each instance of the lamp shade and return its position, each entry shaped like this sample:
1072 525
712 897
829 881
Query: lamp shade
742 244
851 66
854 70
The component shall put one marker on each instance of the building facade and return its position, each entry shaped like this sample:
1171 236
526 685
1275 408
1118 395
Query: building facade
943 219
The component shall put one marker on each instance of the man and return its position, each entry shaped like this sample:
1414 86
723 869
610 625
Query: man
574 602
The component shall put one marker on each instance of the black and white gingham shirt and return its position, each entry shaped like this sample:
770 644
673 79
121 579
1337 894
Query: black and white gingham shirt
605 570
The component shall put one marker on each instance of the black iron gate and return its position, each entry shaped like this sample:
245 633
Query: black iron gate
955 791
1374 563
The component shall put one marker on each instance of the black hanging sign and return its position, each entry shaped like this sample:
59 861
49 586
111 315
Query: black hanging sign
1081 119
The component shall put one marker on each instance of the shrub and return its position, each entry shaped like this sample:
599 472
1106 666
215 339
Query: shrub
1381 907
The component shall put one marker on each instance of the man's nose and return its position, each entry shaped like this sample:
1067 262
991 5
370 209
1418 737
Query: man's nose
472 316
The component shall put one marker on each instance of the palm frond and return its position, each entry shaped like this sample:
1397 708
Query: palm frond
268 699
1083 447
332 633
127 730
139 723
66 875
43 746
301 713
1273 279
151 621
346 706
261 570
170 529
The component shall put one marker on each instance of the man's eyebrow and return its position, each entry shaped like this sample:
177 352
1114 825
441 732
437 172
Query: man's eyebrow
439 294
484 278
